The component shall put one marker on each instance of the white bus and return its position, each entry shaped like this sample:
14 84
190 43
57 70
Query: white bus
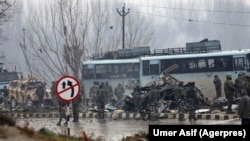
114 71
197 67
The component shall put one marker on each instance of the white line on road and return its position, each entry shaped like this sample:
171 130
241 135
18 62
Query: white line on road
219 122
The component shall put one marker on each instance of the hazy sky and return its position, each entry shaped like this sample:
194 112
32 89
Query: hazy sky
175 22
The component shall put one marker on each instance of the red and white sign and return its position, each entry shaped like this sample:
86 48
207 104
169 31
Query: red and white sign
68 88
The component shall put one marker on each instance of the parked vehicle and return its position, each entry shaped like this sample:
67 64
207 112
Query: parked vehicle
22 92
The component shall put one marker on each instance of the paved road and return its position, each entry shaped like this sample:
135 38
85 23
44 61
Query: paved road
111 130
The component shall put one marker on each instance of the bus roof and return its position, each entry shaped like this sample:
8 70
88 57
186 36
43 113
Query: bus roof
210 54
111 61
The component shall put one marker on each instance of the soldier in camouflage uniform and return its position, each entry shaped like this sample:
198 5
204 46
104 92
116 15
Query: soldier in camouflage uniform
109 90
5 98
93 93
101 99
119 91
239 84
247 83
217 85
192 99
153 98
75 108
229 92
53 93
62 112
40 94
179 94
244 108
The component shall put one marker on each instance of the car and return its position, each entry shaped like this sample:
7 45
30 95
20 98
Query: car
23 92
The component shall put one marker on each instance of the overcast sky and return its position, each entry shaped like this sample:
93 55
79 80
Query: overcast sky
175 22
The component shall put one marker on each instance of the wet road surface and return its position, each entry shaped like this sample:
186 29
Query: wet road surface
111 130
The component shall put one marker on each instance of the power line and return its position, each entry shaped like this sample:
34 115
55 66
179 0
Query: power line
193 20
198 10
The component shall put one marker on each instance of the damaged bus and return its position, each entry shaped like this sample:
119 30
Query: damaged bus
197 66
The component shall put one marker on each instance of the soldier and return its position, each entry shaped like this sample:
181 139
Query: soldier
179 98
192 100
229 92
109 90
75 108
101 99
5 97
153 98
40 94
119 91
217 85
247 83
62 112
93 93
53 93
244 108
239 84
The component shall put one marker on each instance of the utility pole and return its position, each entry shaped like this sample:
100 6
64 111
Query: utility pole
123 14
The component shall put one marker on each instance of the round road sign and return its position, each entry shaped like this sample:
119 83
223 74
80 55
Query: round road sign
68 88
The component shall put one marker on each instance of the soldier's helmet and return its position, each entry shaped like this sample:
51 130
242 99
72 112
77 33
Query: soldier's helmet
247 75
228 76
101 85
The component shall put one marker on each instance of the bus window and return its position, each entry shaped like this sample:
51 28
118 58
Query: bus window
168 63
136 69
154 67
201 65
132 70
113 71
210 63
239 63
145 66
228 63
248 62
101 71
192 65
224 63
88 71
124 70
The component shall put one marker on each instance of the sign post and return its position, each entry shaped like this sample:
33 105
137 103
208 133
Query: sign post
67 90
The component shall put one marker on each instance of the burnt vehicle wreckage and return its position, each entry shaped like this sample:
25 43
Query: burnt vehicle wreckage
137 101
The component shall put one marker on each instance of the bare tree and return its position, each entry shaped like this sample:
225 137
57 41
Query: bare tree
56 40
4 7
138 31
59 37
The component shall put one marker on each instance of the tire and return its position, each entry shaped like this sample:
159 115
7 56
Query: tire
13 103
29 103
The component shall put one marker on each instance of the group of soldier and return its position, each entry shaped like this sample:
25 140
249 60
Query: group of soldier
187 98
102 93
63 107
238 89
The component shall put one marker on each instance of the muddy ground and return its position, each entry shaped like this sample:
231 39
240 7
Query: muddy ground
9 131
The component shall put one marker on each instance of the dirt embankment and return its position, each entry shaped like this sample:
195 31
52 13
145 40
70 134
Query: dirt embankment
10 132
